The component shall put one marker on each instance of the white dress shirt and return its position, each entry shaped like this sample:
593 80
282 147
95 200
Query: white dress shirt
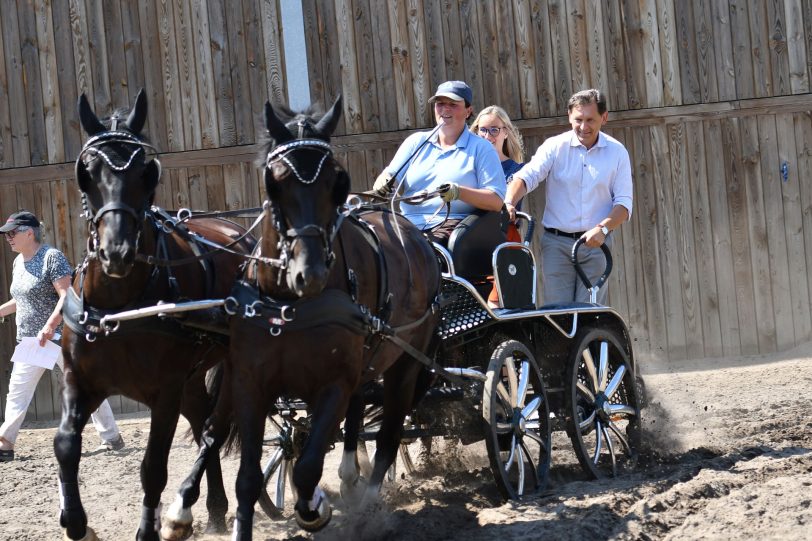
582 185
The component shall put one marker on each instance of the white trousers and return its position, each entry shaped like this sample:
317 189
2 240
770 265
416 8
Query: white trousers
21 388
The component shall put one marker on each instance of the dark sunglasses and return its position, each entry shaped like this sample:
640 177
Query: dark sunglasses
492 131
13 233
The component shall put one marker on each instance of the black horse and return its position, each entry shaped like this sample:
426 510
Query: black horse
136 257
342 293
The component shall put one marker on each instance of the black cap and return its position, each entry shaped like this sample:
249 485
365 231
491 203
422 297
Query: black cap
21 218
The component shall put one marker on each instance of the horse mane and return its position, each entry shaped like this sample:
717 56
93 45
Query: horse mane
312 113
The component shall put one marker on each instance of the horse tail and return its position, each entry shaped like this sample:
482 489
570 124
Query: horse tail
214 385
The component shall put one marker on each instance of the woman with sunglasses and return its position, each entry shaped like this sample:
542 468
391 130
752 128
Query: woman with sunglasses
40 280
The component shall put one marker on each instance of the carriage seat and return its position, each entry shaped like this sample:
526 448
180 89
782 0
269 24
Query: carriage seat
473 241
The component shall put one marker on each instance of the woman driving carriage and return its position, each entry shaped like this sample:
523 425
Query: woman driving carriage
447 155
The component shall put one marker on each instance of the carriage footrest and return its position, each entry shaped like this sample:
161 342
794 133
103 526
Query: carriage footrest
444 393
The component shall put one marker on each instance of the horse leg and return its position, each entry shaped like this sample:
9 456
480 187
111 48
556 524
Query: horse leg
210 434
312 509
399 391
163 421
352 485
76 409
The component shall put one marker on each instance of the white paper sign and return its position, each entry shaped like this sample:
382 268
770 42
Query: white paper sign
28 351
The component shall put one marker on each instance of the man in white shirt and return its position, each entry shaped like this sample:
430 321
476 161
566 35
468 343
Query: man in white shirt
589 194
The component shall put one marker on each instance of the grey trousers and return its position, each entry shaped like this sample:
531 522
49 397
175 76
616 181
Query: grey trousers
560 282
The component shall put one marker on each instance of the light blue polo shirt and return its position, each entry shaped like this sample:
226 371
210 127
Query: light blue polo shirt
472 162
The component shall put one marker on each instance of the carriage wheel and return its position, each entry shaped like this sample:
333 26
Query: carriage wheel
603 420
277 472
517 421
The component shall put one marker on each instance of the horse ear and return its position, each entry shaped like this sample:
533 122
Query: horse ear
152 174
278 132
88 118
138 114
329 121
341 188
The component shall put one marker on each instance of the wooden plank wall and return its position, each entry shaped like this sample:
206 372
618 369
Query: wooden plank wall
711 98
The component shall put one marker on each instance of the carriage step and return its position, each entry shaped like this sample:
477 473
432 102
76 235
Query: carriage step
444 394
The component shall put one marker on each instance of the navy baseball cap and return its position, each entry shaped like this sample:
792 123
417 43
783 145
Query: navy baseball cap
456 90
20 218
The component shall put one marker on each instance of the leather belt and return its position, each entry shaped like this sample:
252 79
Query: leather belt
558 232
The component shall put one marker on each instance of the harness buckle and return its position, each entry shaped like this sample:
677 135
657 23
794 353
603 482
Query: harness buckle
287 313
90 337
275 331
82 319
110 327
230 305
251 309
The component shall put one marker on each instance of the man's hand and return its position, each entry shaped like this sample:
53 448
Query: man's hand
511 209
384 184
452 193
594 237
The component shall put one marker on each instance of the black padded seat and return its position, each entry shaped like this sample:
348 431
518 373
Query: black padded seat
473 241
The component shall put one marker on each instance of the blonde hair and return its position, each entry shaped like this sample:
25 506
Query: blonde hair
513 147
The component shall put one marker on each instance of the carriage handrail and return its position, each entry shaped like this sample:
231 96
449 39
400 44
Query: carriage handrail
593 289
531 226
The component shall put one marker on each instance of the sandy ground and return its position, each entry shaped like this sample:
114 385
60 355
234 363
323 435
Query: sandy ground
730 458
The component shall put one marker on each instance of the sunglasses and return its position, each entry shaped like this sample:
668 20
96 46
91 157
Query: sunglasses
13 233
494 131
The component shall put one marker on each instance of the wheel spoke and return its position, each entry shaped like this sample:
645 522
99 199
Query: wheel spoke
512 453
503 428
598 442
524 381
280 485
611 448
532 407
622 408
586 423
586 392
532 463
273 463
589 363
512 380
611 389
520 460
504 396
536 437
603 368
623 441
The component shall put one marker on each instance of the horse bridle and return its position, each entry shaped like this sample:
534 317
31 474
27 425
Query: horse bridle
92 150
289 236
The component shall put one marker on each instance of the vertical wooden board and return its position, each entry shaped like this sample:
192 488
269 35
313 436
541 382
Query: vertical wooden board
685 247
617 296
560 53
204 71
705 53
97 49
526 76
543 60
669 243
404 93
616 86
737 205
650 251
256 66
131 28
274 51
419 64
314 60
81 49
756 222
30 74
235 188
578 44
186 75
806 11
15 90
383 75
374 166
778 48
224 99
180 189
435 43
669 53
76 222
776 239
509 91
452 40
489 54
688 64
196 177
169 74
240 85
113 42
789 153
803 142
60 204
760 46
215 188
723 50
349 69
742 50
652 59
698 201
633 44
66 78
796 47
163 192
471 51
153 75
356 164
254 188
49 77
595 17
331 64
6 148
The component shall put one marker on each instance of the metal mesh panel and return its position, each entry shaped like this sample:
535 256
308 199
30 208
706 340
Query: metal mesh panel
462 313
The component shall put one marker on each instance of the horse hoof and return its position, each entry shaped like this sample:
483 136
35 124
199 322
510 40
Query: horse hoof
178 522
90 535
175 531
315 520
353 493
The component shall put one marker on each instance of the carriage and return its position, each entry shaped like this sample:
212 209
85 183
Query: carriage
337 292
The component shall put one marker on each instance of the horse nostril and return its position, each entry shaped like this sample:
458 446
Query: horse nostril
103 255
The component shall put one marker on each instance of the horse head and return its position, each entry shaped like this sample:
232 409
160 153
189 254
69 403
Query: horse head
306 187
117 183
